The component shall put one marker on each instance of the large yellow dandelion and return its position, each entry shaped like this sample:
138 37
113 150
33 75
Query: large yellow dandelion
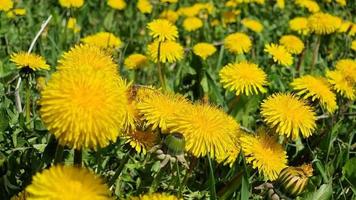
6 5
300 25
204 50
243 78
311 5
83 108
71 3
238 43
252 24
160 108
279 54
170 51
323 23
316 88
67 183
343 79
163 30
293 44
29 60
207 130
87 57
264 153
135 61
117 4
155 196
192 24
103 40
289 115
144 6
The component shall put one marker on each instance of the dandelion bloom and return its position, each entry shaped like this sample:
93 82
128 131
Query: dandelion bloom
280 4
230 156
6 5
244 78
300 25
207 130
169 1
72 25
341 2
293 44
141 141
170 51
316 88
29 60
345 26
169 15
264 152
135 61
192 24
160 108
84 57
163 30
252 24
238 43
71 3
343 79
289 115
204 50
311 5
66 183
103 40
144 6
83 107
323 23
155 196
279 54
117 4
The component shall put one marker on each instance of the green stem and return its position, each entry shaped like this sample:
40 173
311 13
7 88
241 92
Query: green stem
118 171
315 52
28 101
231 187
187 175
58 158
78 157
179 180
155 181
161 75
212 180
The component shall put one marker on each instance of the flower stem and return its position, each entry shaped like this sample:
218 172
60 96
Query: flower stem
58 158
212 180
78 157
119 169
161 75
315 52
28 101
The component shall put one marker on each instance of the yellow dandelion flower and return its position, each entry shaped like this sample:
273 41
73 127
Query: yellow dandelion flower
204 50
66 183
207 130
264 153
144 6
155 196
192 24
103 40
244 78
343 79
279 54
352 32
323 23
238 43
72 25
29 60
311 5
163 30
345 26
280 4
189 11
300 25
252 24
117 4
169 15
230 157
341 2
141 141
87 57
289 115
170 51
353 45
20 11
169 1
135 61
316 88
6 5
71 3
160 108
293 44
83 107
